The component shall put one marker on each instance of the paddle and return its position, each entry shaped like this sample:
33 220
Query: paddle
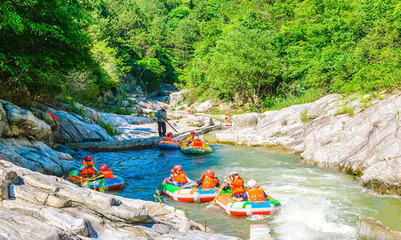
168 123
80 179
218 193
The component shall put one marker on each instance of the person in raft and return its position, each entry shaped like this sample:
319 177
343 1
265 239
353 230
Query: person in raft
106 172
226 120
178 177
170 138
236 183
253 194
191 137
161 114
207 181
87 169
196 142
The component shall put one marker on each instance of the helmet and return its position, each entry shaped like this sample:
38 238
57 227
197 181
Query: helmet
210 173
226 118
103 167
232 175
192 133
169 134
252 184
176 167
87 158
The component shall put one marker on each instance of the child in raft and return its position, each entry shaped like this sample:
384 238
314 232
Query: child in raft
236 183
207 181
253 194
170 138
178 177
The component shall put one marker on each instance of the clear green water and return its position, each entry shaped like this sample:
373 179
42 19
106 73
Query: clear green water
317 203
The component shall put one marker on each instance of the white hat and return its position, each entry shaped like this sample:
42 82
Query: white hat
252 184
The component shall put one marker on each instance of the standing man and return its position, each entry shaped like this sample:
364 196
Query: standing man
161 124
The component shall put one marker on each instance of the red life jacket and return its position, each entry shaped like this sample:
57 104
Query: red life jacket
237 186
256 194
169 139
198 143
179 177
108 173
87 172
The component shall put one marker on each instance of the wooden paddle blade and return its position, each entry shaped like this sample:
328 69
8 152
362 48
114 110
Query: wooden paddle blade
218 193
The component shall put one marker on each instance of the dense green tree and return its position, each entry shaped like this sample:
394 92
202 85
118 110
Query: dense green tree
40 41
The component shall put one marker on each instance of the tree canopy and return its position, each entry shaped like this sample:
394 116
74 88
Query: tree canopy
245 51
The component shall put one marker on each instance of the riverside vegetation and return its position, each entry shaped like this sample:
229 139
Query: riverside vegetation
258 54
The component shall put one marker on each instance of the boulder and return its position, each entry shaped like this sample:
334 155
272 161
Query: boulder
204 107
176 98
369 228
22 123
248 120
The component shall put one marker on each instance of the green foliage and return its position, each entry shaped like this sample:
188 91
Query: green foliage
304 115
259 54
121 111
346 110
110 128
40 41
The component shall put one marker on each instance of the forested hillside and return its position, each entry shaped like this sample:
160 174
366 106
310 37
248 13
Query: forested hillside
248 51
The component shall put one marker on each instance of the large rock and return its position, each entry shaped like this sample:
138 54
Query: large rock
78 128
46 207
22 123
176 98
368 228
204 107
345 134
36 156
248 120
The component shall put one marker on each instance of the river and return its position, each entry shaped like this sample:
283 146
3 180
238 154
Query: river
317 203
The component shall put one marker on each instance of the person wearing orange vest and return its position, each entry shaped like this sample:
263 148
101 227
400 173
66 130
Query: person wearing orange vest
254 193
178 177
196 142
207 181
107 173
226 120
191 137
236 183
169 137
87 169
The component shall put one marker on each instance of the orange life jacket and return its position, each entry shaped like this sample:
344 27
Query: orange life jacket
87 172
209 182
237 186
198 143
169 139
108 173
179 177
256 194
84 163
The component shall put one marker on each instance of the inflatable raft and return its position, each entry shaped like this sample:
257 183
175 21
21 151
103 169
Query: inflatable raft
195 149
245 208
115 182
187 194
170 145
226 125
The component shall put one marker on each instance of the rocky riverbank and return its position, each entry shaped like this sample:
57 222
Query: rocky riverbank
36 205
357 135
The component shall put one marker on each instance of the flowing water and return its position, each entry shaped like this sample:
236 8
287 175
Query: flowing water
316 203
